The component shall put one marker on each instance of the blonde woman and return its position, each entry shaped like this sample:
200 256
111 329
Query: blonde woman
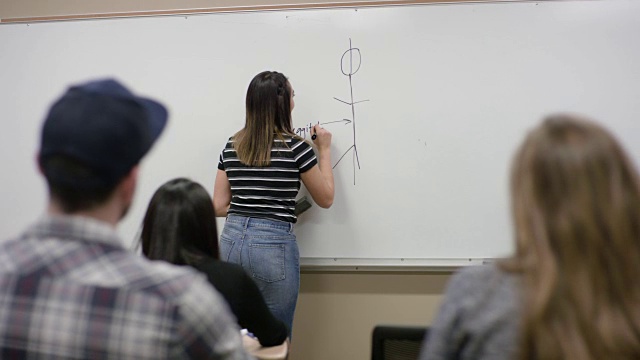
571 289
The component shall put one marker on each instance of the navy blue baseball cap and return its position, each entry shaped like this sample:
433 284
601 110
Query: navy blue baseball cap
102 126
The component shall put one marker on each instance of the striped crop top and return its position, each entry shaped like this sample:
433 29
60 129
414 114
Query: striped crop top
268 191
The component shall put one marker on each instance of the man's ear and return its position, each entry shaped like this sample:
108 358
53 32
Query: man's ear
128 186
38 164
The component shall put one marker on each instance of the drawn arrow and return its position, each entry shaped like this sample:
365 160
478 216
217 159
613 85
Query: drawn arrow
347 121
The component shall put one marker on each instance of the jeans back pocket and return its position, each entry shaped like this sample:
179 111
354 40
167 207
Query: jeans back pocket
267 261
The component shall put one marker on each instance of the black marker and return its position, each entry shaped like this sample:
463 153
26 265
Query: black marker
314 136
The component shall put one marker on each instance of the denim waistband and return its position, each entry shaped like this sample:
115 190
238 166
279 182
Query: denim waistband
249 222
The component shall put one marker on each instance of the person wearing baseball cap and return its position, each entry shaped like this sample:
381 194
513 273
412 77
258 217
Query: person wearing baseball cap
68 285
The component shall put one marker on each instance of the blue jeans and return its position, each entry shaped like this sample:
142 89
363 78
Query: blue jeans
268 251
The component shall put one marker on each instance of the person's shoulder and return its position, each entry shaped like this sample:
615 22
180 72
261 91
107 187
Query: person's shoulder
484 287
184 287
164 279
480 279
7 245
475 274
9 249
164 270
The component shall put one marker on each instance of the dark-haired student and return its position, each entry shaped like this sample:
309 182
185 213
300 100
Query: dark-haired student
571 289
179 227
69 288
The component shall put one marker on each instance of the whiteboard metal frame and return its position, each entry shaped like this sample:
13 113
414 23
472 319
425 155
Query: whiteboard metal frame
255 8
317 264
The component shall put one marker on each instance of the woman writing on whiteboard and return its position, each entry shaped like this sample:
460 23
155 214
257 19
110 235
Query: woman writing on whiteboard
258 178
179 227
571 289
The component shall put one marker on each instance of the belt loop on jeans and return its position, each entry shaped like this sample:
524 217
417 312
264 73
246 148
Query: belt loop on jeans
246 223
290 228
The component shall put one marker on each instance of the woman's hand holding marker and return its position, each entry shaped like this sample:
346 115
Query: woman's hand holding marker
321 191
321 137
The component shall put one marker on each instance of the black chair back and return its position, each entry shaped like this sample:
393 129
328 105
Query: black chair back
397 342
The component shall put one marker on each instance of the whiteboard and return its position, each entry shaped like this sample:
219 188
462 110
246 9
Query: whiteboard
451 90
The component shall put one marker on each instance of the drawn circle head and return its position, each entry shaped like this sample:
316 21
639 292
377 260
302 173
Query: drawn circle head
350 61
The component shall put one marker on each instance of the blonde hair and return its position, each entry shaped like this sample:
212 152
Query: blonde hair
576 208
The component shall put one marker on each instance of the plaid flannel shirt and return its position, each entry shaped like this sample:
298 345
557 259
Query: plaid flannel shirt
70 290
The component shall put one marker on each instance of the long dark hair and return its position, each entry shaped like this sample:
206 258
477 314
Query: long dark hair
180 224
576 206
268 115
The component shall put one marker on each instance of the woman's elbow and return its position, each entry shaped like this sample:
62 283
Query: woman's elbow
326 202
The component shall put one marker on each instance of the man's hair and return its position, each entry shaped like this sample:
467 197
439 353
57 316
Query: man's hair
72 199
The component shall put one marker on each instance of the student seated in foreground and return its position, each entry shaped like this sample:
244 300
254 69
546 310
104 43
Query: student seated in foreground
69 288
179 227
571 289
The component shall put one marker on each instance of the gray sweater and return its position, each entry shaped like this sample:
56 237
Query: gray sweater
478 319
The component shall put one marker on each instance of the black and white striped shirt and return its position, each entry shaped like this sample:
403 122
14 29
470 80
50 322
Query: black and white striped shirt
268 191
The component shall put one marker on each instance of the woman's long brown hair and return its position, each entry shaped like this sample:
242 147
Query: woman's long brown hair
576 208
268 116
